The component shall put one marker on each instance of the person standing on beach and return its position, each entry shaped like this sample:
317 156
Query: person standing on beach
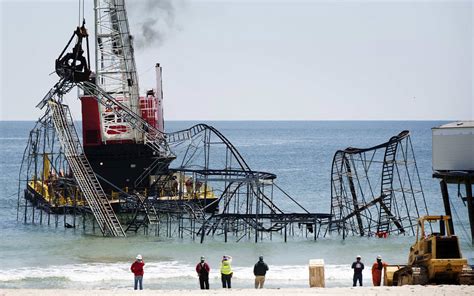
203 269
358 266
377 271
137 269
226 271
259 270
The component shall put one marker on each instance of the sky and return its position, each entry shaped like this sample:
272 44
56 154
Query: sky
264 60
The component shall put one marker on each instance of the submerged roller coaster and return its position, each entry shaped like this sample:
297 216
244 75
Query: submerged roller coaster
376 191
128 176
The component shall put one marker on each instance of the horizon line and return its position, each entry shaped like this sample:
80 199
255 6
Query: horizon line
271 120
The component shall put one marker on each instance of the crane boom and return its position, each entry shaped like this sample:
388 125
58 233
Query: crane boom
115 67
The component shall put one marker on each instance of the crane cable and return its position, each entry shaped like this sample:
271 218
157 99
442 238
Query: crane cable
79 13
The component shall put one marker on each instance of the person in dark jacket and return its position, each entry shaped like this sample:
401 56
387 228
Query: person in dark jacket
260 270
358 266
137 269
203 269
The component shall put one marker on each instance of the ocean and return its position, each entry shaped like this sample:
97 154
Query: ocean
298 152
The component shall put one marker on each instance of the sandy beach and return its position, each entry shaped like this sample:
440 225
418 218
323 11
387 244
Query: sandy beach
406 290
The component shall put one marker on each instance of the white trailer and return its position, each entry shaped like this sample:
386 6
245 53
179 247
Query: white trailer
453 146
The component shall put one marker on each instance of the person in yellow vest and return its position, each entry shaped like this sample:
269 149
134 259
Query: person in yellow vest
226 271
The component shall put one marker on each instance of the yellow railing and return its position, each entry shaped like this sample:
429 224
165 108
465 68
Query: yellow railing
54 199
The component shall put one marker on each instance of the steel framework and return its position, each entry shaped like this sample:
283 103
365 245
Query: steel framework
44 162
249 201
376 191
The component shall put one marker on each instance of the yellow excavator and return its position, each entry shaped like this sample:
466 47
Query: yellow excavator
435 258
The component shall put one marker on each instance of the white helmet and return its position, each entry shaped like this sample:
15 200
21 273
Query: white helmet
139 257
379 257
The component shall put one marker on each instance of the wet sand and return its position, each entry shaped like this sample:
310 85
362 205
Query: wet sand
405 290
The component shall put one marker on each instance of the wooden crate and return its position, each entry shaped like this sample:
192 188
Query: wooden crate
316 273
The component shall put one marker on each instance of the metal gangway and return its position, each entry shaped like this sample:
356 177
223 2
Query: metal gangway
82 171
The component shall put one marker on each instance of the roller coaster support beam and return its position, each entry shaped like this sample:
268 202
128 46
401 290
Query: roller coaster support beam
354 198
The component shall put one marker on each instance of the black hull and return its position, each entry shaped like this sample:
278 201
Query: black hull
123 164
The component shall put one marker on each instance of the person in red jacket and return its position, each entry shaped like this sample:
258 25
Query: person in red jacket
203 269
377 271
137 269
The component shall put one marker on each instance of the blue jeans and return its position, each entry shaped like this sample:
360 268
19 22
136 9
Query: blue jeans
139 280
226 279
